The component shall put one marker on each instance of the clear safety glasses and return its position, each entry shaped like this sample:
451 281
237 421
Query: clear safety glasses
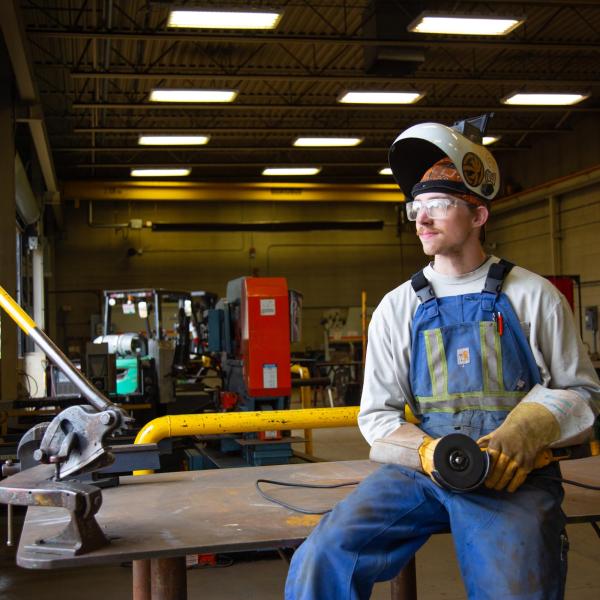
437 208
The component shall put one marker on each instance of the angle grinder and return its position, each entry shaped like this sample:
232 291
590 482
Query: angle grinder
462 466
459 463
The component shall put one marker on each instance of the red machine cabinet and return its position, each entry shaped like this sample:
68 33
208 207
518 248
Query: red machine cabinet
265 329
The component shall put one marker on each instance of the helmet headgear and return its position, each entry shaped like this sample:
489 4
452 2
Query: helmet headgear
421 146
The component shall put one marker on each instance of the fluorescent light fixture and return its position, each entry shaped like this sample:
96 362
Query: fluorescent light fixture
380 97
172 140
328 142
291 170
223 19
385 171
490 139
160 172
544 99
463 24
190 95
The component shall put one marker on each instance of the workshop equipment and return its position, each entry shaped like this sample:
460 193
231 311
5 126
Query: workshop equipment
74 443
461 465
250 329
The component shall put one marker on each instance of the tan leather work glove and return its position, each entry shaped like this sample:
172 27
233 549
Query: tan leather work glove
426 450
513 447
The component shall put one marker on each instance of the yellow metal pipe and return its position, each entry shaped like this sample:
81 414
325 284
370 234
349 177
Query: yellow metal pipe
306 403
241 422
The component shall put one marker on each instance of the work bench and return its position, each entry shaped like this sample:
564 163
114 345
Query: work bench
156 520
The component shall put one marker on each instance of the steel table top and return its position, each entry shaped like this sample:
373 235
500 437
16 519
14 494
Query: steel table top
213 511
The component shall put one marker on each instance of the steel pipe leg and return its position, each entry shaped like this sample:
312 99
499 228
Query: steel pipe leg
141 580
404 585
169 580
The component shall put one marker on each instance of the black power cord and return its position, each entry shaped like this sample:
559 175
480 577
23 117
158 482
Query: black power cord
305 511
301 485
587 486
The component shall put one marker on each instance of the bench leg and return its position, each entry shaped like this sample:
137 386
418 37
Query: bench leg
169 578
404 585
141 580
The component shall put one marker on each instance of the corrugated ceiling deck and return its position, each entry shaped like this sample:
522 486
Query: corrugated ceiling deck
289 86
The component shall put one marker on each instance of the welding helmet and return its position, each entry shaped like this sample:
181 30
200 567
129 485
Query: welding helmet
419 147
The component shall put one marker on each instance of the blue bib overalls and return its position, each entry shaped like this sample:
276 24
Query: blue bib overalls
470 365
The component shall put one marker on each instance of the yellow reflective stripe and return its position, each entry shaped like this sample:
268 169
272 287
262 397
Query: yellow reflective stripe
475 407
16 313
459 395
443 362
430 365
484 355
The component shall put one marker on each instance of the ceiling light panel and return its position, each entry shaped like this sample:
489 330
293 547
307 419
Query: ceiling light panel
550 99
490 139
191 95
223 19
160 172
463 24
172 140
327 142
385 171
291 171
380 97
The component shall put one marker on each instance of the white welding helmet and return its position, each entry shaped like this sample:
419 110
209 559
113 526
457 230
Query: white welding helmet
415 150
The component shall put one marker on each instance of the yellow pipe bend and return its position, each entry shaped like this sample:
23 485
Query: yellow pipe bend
241 422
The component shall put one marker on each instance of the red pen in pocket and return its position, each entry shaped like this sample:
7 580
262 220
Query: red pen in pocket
500 323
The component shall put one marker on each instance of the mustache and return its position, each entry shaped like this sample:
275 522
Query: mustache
422 230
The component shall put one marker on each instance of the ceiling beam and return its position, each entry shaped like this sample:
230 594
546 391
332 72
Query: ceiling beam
279 130
212 165
195 76
208 149
321 107
236 192
236 164
18 50
261 38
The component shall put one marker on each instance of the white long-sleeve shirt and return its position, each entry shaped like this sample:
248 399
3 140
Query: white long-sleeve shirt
546 319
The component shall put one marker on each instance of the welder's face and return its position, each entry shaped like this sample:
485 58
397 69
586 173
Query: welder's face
444 223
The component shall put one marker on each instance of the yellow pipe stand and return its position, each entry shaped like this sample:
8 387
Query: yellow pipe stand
241 422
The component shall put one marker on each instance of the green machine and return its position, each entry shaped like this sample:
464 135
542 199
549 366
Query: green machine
148 332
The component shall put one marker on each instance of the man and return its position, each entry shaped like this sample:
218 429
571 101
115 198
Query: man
470 345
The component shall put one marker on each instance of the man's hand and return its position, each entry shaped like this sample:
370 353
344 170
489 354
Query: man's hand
513 447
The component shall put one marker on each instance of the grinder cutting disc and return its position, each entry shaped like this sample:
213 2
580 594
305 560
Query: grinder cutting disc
459 463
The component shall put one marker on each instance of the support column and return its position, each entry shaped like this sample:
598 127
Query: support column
8 251
555 235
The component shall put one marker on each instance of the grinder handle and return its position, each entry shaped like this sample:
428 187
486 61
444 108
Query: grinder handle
549 455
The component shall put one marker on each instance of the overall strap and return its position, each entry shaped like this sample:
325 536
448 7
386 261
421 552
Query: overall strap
496 275
422 287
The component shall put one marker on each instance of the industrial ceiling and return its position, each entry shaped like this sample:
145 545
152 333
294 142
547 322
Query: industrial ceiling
96 62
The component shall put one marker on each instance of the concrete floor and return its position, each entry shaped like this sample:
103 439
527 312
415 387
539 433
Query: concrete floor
260 578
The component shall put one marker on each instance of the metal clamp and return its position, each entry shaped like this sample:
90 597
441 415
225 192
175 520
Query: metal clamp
35 487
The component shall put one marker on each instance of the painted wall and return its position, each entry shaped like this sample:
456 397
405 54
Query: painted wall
329 267
524 237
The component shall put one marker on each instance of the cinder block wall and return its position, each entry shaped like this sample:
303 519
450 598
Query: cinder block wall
523 236
329 267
